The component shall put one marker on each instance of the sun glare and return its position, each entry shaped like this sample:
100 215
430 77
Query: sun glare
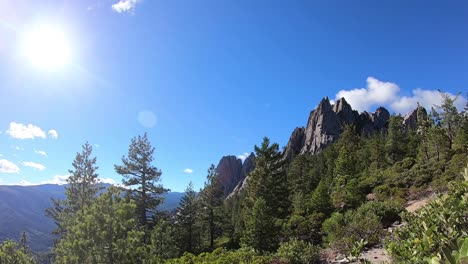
47 47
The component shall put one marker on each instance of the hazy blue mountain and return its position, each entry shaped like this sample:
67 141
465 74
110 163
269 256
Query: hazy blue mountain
22 208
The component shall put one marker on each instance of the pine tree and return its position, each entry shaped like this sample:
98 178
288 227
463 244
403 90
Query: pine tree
105 232
450 117
268 183
163 241
142 177
260 228
212 197
320 201
186 215
269 179
83 182
81 191
396 140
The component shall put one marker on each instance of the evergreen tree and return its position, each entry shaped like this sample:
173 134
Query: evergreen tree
83 181
260 228
267 182
186 215
12 253
163 241
105 232
450 117
142 177
212 197
81 191
320 201
396 141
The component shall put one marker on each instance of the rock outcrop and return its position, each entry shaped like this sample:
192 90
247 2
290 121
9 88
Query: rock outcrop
323 127
231 171
326 123
369 123
410 120
295 143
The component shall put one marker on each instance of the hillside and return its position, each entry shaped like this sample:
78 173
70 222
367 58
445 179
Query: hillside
22 208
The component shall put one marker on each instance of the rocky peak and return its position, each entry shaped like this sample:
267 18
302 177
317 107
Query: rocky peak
248 166
323 127
369 123
295 143
345 113
410 120
231 171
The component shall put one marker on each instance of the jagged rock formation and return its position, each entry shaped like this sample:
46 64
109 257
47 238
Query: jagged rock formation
369 123
231 171
410 120
325 126
295 143
326 123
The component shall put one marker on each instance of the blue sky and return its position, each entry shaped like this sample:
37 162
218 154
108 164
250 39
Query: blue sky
210 78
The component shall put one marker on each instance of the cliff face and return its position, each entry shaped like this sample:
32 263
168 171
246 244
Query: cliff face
410 120
324 126
326 123
231 171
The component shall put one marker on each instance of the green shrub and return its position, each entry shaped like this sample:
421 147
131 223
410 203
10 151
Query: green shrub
298 252
344 231
387 212
433 231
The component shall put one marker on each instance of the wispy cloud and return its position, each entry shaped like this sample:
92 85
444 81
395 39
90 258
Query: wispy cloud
34 165
21 131
53 133
7 166
380 93
125 6
243 156
188 171
57 179
41 152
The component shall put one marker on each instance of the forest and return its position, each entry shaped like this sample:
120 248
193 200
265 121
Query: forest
343 199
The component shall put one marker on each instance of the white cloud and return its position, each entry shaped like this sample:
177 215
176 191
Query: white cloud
34 165
7 166
243 156
379 93
21 131
25 183
426 98
188 171
57 179
376 92
41 152
107 180
53 133
124 5
18 148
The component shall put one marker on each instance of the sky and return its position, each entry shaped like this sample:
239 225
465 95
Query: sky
207 78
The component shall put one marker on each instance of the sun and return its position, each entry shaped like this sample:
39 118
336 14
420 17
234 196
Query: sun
47 47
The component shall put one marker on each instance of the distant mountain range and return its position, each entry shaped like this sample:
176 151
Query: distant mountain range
22 208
